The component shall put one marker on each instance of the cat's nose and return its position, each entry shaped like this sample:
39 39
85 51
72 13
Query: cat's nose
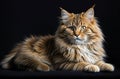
76 35
78 38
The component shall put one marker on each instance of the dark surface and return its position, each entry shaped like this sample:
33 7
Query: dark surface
22 18
59 74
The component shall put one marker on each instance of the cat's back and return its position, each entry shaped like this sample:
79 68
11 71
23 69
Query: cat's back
38 44
34 49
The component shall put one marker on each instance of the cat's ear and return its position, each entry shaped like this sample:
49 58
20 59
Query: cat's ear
64 15
90 13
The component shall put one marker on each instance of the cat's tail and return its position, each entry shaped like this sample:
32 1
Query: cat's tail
5 63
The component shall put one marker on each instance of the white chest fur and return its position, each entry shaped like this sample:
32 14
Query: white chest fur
84 53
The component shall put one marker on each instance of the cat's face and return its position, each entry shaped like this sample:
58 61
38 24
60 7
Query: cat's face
79 28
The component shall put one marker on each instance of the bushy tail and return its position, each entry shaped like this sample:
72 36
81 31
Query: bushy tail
6 61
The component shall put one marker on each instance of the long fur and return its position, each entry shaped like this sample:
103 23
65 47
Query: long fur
76 45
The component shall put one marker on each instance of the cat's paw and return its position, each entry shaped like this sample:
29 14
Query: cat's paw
43 68
107 67
92 68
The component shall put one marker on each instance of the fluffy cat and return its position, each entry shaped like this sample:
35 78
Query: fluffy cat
76 45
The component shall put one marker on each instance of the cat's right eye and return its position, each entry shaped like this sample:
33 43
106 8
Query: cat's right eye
72 27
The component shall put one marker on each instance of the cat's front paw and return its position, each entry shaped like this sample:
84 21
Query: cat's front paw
107 67
43 68
92 68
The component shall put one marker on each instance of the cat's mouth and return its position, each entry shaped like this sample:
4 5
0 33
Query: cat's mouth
79 39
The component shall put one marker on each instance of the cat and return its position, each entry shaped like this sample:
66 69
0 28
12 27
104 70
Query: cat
77 45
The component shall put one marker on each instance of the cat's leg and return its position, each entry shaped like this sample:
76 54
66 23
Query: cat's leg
105 66
30 63
81 66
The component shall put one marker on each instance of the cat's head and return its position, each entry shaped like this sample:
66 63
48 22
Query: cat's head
79 28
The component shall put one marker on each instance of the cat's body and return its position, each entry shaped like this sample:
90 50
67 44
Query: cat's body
77 45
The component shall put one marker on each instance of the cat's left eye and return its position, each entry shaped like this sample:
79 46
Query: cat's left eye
83 27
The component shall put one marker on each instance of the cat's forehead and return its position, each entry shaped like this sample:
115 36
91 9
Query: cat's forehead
78 20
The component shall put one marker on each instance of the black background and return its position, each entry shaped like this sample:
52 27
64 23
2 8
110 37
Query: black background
22 18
